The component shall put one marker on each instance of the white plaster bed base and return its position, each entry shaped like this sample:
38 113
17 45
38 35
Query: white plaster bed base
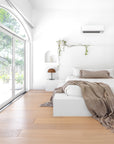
64 105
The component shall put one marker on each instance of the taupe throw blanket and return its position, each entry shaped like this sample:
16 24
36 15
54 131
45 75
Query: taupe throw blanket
99 100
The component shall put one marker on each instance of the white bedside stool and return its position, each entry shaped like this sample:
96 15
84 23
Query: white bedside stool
51 85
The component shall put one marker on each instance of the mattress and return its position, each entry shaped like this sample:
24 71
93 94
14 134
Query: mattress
71 103
73 90
64 105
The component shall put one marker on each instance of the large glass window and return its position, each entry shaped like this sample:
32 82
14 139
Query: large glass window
12 57
19 66
5 67
8 20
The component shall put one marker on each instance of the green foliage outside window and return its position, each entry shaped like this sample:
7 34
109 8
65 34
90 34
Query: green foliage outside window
19 78
5 78
11 22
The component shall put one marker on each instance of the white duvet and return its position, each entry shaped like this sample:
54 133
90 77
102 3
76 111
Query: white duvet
73 90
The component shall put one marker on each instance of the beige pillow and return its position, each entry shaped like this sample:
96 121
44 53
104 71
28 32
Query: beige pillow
94 74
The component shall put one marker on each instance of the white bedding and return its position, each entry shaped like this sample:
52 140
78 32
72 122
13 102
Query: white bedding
73 90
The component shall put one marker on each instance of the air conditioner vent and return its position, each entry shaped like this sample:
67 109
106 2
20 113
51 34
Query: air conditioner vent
92 29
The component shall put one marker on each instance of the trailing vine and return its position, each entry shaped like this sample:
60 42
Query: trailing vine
63 43
86 49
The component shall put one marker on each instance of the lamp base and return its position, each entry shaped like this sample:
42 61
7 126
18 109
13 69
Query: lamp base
51 79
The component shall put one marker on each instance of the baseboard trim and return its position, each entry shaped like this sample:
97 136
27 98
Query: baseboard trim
12 101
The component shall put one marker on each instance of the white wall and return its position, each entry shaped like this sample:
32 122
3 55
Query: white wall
98 57
63 19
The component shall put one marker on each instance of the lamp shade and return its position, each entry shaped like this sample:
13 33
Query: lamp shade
51 70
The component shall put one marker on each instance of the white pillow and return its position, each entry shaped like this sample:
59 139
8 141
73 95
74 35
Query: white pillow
73 90
76 71
111 71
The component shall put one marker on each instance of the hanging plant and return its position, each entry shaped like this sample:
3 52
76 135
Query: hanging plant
86 49
61 45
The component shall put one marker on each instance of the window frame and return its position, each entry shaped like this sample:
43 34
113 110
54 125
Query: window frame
18 18
15 36
29 46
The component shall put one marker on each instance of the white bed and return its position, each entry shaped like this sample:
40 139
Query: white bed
71 103
73 90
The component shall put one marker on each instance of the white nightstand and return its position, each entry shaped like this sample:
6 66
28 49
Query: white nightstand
52 84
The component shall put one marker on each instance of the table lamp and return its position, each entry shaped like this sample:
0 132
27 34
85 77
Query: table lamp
51 70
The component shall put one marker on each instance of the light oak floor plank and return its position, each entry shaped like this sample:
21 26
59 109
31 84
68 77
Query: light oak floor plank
25 122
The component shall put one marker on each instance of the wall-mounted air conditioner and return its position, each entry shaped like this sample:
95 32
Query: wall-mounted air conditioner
93 29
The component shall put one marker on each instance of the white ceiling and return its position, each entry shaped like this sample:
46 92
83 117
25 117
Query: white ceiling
51 4
68 4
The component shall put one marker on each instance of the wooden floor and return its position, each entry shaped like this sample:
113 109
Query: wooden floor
25 122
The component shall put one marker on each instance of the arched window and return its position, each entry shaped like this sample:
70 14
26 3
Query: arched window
11 22
12 57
